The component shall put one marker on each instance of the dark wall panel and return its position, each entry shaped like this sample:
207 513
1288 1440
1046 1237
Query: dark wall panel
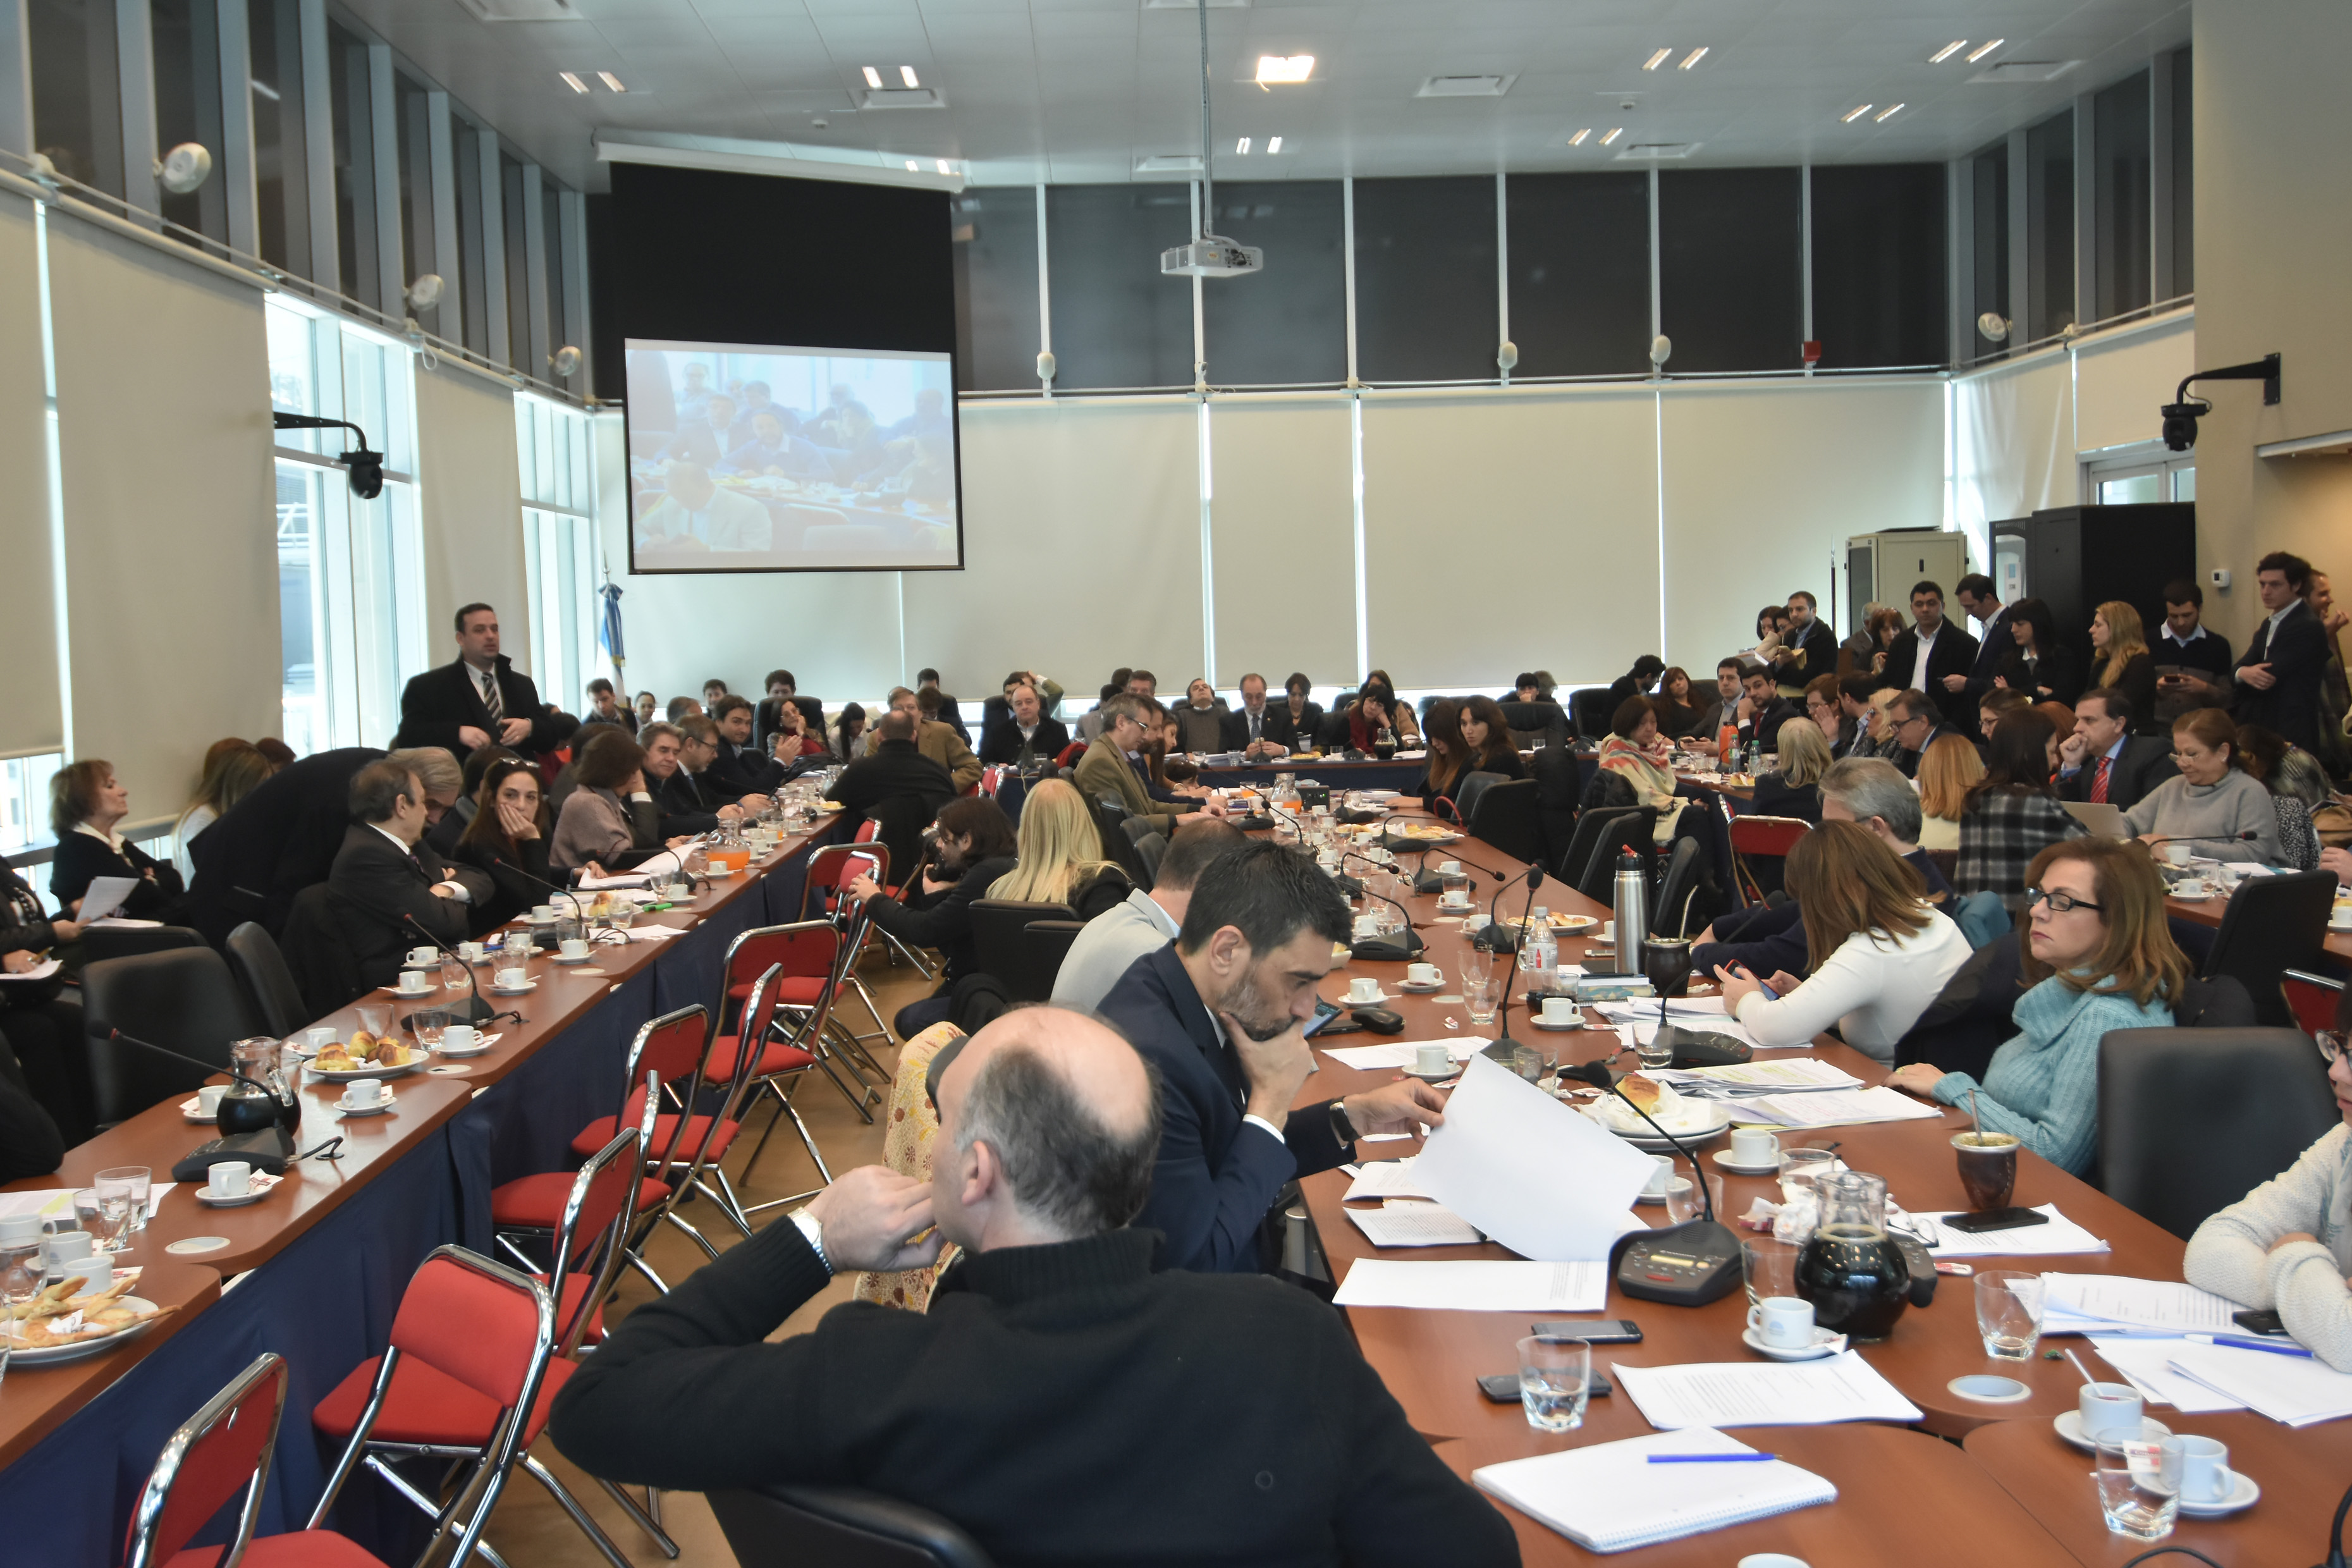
1879 259
1581 273
1729 265
1425 307
1289 323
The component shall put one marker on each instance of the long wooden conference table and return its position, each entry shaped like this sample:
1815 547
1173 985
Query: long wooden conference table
314 1270
1974 1483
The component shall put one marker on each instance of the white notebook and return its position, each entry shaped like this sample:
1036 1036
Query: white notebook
1610 1497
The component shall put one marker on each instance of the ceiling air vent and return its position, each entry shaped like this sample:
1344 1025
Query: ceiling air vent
522 10
1465 86
901 97
1169 164
2026 71
1655 152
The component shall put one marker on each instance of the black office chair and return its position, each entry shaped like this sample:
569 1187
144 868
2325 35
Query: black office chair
99 944
317 954
2190 1120
183 999
1592 709
1558 783
1151 846
1117 844
1471 788
1003 948
1538 726
1507 817
838 1527
1620 831
1590 827
1677 888
259 965
2272 924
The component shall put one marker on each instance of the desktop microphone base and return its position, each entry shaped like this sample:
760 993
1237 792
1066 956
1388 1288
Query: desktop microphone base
471 1010
1388 950
1682 1266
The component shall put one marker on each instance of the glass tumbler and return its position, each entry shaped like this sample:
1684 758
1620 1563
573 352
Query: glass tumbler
2140 1488
2008 1312
136 1182
1555 1380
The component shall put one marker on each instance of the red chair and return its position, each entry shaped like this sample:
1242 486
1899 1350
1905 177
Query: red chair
225 1446
830 869
467 1378
585 1213
2312 998
1762 836
807 958
1069 754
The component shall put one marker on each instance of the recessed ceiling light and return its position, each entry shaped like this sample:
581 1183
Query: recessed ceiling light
575 83
873 77
1660 58
1693 57
609 79
907 75
1977 54
942 163
1242 146
1851 115
913 167
1613 136
1883 115
1947 51
1578 140
1274 144
1285 67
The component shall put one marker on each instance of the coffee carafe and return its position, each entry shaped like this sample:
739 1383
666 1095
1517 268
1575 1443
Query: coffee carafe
1850 1269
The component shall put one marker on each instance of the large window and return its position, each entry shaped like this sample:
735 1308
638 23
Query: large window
1988 231
1289 323
281 176
355 210
1117 320
414 107
25 802
1581 273
77 90
2049 226
1425 302
187 35
350 594
1878 265
1731 268
995 235
2184 174
2121 132
560 543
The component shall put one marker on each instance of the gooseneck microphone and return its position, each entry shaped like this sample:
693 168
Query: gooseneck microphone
1397 949
1498 937
477 1010
1685 1265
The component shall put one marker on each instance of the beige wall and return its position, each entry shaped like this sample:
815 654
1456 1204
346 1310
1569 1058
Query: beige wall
2273 236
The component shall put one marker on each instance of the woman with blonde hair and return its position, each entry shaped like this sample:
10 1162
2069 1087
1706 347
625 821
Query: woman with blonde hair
2121 662
1888 952
233 770
1948 771
1059 857
2099 957
1794 788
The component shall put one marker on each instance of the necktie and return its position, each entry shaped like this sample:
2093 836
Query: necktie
1256 720
2099 780
490 698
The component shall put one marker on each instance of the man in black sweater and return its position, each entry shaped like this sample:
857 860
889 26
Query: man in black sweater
1059 1400
274 843
896 786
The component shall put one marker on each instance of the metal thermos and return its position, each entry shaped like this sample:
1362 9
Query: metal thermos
1632 908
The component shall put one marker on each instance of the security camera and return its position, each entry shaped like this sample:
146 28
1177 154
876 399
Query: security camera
2180 423
2181 415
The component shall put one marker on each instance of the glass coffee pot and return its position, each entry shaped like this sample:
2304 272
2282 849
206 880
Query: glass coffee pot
257 1097
1851 1270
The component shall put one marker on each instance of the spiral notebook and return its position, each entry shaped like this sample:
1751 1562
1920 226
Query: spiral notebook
1610 1497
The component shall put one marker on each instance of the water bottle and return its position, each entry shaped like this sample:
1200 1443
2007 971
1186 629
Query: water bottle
1632 909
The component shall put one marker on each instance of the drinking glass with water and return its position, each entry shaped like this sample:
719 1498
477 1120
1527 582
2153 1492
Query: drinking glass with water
1555 1380
2008 1312
2140 1488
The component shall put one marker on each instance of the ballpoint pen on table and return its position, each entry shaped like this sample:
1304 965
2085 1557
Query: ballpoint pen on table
2234 1341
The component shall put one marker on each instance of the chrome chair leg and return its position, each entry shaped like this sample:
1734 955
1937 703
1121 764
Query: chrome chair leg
571 1505
644 1518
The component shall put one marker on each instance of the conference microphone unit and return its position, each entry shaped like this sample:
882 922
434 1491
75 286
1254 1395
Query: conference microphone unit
1425 881
268 1146
1498 937
2244 835
579 911
477 1010
1397 949
1684 1265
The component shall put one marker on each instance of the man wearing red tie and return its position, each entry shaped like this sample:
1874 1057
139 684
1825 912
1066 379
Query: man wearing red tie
2103 760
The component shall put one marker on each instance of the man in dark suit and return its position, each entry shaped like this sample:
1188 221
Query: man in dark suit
1219 1015
1932 650
1255 729
1976 598
1809 647
385 876
274 843
1762 710
737 768
1009 1407
478 699
2104 761
950 710
1022 735
2280 673
1918 724
896 786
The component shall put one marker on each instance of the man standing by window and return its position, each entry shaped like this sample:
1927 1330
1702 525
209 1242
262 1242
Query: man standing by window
479 699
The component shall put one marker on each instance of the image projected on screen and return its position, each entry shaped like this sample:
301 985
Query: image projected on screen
745 457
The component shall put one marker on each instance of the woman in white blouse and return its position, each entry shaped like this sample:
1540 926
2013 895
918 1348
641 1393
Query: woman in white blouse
1881 953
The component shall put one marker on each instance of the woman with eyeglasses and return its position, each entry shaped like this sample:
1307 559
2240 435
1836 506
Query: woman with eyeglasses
2100 957
2212 800
2287 1246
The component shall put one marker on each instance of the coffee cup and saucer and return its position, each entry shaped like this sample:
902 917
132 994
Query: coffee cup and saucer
1781 1327
2192 889
575 950
462 1040
366 1097
1559 1013
413 983
1434 1063
422 958
2107 1411
1365 992
2208 1487
512 982
228 1184
1754 1151
1422 979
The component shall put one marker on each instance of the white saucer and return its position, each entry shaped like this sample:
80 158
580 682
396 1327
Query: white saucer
2069 1424
205 1196
1448 1075
428 994
461 1056
2245 1495
1825 1343
1723 1160
1434 986
192 1246
1364 1001
189 1115
588 957
1540 1022
390 1103
1457 910
514 990
2195 898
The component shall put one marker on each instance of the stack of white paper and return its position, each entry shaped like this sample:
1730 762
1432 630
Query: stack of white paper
2060 1235
2146 1365
1404 1223
1384 1179
2118 1304
40 971
1476 1287
1610 1497
1837 1108
1788 1075
1843 1387
104 896
2295 1390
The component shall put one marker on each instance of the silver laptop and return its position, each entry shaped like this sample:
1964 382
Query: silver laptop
2104 820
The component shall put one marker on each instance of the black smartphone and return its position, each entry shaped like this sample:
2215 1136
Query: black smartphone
1503 1387
2259 1322
1324 1013
1994 1219
1616 1332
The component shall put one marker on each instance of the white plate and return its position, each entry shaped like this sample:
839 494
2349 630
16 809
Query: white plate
1718 1123
1824 1344
2245 1494
514 990
1723 1160
358 1073
54 1355
205 1196
1538 1020
2069 1424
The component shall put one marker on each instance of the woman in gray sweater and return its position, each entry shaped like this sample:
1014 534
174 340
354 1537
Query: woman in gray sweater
609 821
2287 1244
2213 800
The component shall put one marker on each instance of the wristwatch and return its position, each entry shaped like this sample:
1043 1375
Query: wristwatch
814 1229
1341 1128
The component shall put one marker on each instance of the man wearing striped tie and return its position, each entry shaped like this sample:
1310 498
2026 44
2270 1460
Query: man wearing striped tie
479 699
2103 760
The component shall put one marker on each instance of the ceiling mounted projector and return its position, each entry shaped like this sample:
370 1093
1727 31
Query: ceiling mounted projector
1209 255
184 168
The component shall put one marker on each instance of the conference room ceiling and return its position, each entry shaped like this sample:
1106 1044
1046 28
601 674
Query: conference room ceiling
1082 91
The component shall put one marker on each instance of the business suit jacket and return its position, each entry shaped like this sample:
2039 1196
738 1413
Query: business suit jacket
2056 668
1103 773
941 743
738 771
374 885
901 789
2143 763
686 804
1954 652
1274 725
1000 739
276 841
2297 655
1998 643
1908 759
439 703
1215 1187
1814 653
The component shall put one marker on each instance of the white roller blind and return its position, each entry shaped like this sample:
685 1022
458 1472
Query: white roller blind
1765 483
2119 385
2013 436
470 509
1283 533
1507 531
1082 548
171 543
32 718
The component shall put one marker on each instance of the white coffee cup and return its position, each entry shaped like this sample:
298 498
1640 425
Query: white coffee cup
2190 888
1784 1322
576 947
1363 988
208 1098
366 1092
542 911
423 955
460 1037
1477 924
2178 853
512 979
1609 932
2205 1475
1560 1010
2109 1409
1421 974
72 1252
1754 1146
471 952
1662 1170
320 1037
1449 868
415 981
1431 1058
2340 918
228 1178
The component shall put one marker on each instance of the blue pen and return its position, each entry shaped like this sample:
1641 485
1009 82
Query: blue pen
2234 1343
1710 1458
